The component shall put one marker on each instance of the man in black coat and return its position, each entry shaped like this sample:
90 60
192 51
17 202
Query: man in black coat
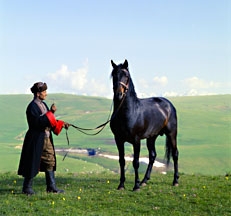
38 152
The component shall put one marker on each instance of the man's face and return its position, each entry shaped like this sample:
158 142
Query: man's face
42 95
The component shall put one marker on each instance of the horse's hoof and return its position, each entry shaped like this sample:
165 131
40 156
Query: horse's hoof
136 189
175 184
120 188
143 184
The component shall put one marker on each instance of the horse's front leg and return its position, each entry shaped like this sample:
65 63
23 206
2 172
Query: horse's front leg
120 147
136 148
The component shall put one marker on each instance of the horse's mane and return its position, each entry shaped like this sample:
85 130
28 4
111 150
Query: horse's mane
132 87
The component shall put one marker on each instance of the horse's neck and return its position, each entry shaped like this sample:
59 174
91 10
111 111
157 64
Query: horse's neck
130 100
131 94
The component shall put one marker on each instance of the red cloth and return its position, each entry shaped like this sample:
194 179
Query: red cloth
56 125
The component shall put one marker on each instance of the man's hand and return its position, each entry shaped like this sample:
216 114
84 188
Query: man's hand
66 125
53 108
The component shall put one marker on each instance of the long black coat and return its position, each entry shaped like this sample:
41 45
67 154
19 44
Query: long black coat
30 161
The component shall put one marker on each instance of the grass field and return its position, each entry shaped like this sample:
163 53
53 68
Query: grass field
204 138
96 194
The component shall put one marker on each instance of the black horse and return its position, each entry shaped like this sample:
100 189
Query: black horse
134 119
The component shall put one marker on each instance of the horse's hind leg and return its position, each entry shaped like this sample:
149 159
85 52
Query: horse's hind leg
152 156
172 144
175 154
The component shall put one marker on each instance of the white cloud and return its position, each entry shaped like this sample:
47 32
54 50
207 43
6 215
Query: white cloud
163 81
196 83
171 94
196 86
188 87
65 80
143 83
152 87
80 82
192 92
97 88
146 95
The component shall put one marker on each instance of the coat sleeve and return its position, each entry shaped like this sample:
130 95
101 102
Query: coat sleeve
56 125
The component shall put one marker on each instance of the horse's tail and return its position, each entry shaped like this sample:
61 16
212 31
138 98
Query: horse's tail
168 150
171 137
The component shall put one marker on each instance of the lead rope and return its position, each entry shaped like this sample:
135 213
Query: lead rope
68 142
82 130
102 126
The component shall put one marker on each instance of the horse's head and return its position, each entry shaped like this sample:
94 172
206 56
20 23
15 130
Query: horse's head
120 77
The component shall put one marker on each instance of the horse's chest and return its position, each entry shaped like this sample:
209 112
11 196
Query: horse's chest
121 127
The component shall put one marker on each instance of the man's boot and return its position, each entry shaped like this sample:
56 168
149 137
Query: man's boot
27 186
50 181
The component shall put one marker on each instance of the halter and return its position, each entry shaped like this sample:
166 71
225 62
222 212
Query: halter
126 86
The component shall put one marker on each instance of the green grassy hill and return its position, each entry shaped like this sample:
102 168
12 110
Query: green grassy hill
204 137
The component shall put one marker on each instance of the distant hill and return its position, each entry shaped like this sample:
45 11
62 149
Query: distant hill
204 137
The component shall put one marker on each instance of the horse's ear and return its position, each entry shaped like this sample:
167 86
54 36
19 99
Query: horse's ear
113 64
125 64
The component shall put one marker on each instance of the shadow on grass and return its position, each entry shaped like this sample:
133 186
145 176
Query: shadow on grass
10 184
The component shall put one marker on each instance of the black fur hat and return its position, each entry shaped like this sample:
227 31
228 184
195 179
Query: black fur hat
38 87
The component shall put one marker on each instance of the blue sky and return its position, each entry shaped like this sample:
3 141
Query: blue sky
173 47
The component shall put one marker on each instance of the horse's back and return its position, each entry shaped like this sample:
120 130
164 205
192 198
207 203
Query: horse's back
159 102
160 111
